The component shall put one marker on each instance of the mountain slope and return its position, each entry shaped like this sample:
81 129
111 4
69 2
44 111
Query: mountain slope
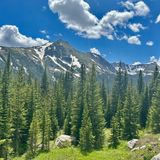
59 56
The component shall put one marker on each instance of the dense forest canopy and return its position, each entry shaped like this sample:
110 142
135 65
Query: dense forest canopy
32 114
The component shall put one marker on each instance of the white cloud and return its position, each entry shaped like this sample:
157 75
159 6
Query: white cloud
95 51
158 19
43 31
115 18
11 37
48 36
136 27
77 16
150 43
139 8
134 40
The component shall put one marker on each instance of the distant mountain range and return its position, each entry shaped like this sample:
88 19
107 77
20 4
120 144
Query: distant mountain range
59 56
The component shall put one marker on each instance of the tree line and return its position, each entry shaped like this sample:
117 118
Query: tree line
33 113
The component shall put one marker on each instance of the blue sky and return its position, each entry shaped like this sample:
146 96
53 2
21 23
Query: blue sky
126 30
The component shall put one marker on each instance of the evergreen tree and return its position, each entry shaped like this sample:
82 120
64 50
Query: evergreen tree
95 110
114 139
53 119
5 111
45 128
104 97
130 129
140 83
108 114
33 136
86 135
119 119
60 106
153 84
155 112
68 83
118 90
45 125
67 123
19 140
144 108
44 82
78 106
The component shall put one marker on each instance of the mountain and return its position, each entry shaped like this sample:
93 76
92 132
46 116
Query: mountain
59 56
134 69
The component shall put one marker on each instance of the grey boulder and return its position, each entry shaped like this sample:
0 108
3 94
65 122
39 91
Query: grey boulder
64 141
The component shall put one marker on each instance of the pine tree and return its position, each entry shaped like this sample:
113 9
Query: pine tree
68 83
104 97
144 108
119 119
130 129
114 139
155 112
78 106
140 83
118 90
67 122
86 135
5 110
44 83
53 119
19 140
95 110
153 84
33 136
45 125
60 105
108 114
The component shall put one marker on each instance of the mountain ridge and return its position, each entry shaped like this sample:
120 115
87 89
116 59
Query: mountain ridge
59 56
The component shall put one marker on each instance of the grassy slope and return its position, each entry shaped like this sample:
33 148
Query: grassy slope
121 153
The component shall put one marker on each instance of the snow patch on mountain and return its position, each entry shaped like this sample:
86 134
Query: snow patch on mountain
153 59
1 59
54 59
64 62
40 51
95 51
75 61
136 63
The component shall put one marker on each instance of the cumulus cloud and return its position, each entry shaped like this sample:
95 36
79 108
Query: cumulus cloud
136 27
150 43
134 40
77 16
11 37
95 51
139 8
158 19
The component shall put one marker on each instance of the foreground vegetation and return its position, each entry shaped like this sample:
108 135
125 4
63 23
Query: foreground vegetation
122 152
32 114
75 154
